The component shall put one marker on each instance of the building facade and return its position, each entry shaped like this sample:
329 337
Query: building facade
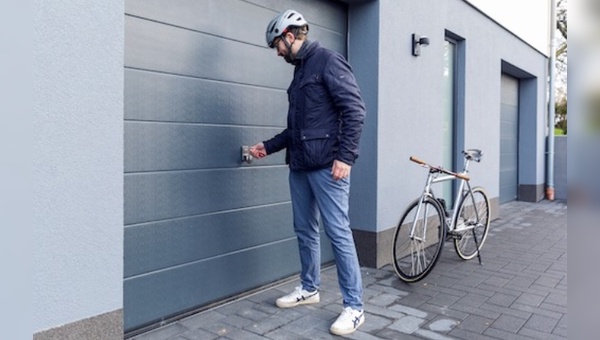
142 118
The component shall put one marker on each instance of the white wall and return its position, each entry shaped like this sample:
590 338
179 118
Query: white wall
78 161
410 98
530 19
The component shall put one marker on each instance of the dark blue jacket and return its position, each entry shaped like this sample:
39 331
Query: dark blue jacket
326 111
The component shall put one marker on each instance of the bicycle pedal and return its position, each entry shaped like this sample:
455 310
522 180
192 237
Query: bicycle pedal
454 235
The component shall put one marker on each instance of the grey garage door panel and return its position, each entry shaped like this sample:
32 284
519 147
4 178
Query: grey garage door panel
231 19
330 15
153 146
165 195
164 97
242 21
512 143
185 287
507 163
508 186
169 49
153 246
510 113
509 138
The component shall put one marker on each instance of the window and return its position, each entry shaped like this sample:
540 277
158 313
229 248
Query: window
453 110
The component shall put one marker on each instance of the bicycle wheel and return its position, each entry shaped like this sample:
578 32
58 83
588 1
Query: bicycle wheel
414 257
472 223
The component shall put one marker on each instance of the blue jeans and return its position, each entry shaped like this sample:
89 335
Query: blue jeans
315 192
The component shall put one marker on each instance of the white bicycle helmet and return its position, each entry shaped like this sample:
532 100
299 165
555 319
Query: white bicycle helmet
280 23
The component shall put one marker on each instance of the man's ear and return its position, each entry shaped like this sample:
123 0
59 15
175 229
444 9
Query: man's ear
291 37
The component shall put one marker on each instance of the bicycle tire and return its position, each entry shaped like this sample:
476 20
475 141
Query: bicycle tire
413 259
464 241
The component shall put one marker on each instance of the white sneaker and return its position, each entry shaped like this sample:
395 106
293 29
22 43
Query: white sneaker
348 321
298 297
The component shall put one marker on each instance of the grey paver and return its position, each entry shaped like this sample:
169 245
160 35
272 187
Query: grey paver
529 299
264 326
407 324
374 323
475 323
503 300
442 324
383 299
532 333
531 310
162 333
431 335
501 334
541 323
443 299
303 324
409 311
509 323
198 334
201 320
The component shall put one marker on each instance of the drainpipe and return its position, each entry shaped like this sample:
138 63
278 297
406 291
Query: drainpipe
551 107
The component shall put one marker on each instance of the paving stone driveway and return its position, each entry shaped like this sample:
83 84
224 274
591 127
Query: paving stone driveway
520 292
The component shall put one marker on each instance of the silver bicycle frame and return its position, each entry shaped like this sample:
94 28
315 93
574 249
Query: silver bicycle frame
459 193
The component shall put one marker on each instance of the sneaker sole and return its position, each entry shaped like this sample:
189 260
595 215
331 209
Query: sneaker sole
344 332
311 300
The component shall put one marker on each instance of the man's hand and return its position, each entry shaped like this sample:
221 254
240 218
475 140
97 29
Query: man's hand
340 170
258 151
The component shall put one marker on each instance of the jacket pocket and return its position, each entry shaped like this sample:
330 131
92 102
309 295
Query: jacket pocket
318 147
314 92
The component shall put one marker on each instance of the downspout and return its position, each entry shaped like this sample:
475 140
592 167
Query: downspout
551 106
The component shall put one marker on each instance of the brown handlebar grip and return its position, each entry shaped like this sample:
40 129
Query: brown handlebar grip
416 160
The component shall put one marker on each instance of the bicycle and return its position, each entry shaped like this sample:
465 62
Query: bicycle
422 230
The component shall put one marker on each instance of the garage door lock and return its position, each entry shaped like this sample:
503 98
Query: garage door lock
246 156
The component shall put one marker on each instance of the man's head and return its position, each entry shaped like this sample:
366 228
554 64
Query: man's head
284 31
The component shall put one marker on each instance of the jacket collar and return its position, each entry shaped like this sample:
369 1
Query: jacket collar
306 51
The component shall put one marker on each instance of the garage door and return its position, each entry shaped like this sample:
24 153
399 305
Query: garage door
509 138
200 226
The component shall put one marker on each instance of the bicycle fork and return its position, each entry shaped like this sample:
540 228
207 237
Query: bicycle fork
426 193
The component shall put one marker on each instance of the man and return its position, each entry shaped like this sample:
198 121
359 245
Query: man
324 125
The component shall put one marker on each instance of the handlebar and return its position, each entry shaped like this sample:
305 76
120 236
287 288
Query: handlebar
439 169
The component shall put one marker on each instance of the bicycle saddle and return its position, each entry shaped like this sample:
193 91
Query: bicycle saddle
473 154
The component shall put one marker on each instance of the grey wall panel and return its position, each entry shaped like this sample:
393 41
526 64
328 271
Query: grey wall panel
158 245
153 146
164 195
153 46
164 97
164 293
